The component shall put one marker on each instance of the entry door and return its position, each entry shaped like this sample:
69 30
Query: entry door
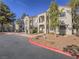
62 30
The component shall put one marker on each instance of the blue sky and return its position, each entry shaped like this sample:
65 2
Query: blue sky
30 7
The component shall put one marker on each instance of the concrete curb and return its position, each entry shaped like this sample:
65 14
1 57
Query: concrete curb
15 33
49 48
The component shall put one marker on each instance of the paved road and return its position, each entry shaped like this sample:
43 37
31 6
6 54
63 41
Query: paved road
18 47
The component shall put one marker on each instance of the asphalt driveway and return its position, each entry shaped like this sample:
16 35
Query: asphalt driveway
18 47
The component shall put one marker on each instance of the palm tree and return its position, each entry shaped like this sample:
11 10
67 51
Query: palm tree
74 4
6 16
53 15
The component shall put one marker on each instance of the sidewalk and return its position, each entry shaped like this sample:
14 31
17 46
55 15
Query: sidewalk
15 33
33 35
20 33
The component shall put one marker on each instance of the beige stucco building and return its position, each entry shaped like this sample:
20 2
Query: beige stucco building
29 23
42 22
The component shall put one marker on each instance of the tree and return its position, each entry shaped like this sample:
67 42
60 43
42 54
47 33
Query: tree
6 16
53 15
23 15
18 21
74 4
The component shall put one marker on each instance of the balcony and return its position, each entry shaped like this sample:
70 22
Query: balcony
41 19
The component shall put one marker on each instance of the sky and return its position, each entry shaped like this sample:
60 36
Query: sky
31 7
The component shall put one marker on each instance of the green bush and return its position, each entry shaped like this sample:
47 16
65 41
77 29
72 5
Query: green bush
34 30
33 38
72 49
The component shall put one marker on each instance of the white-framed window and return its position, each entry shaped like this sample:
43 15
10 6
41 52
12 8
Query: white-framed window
62 14
77 11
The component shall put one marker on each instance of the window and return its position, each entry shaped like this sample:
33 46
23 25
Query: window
41 19
62 22
77 11
62 14
68 11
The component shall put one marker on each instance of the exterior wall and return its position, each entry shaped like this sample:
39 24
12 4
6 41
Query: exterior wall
30 23
67 19
26 25
35 21
43 23
17 27
21 25
7 27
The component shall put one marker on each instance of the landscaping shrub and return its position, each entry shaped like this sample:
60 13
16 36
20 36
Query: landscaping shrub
34 30
72 49
33 38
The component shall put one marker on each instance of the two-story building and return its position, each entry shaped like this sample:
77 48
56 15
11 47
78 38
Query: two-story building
42 22
29 23
65 22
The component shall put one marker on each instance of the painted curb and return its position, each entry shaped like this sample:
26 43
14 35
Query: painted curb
49 48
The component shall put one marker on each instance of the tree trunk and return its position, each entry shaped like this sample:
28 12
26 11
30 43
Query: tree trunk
72 31
2 27
13 27
54 30
77 32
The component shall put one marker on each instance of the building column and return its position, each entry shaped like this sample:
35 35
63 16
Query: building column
28 26
25 29
38 25
57 30
45 24
69 30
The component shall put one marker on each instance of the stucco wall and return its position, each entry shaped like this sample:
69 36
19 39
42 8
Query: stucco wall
67 19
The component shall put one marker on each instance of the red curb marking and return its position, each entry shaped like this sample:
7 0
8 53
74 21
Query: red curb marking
52 49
